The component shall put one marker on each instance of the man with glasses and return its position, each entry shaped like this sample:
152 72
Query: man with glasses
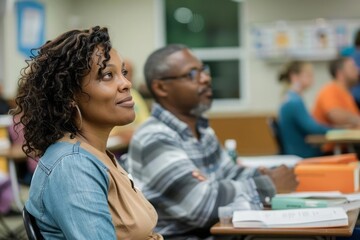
176 157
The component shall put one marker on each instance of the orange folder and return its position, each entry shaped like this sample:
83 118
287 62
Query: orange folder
328 177
333 159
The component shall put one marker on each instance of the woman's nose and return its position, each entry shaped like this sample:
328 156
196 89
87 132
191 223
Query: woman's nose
124 84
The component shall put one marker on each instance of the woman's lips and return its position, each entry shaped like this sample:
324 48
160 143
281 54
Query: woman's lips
126 102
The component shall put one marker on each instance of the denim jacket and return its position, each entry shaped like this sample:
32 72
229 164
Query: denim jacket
73 195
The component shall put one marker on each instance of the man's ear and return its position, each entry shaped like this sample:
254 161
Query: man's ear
160 88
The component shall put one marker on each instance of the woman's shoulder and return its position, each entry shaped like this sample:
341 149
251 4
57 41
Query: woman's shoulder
67 155
292 99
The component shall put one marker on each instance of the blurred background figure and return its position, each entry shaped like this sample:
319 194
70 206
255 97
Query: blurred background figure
25 169
294 120
4 104
334 105
354 53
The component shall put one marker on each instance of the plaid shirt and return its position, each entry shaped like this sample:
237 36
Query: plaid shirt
163 154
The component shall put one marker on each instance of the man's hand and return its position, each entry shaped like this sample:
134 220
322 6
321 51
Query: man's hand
198 175
283 178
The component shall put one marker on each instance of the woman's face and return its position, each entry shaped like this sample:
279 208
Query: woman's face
106 101
306 76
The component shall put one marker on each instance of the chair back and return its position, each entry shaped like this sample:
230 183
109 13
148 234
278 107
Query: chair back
32 230
275 131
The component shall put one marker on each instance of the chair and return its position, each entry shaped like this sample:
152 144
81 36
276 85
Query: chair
32 230
275 132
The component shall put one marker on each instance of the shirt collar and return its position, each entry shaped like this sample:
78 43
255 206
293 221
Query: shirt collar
174 123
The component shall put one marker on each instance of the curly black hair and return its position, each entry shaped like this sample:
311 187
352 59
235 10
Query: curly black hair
49 82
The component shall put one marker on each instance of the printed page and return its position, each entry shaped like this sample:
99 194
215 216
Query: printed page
294 217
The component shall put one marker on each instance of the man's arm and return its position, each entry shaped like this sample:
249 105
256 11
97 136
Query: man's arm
343 119
267 181
166 173
283 178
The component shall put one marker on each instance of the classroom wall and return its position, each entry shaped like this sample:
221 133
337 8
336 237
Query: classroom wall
134 28
2 12
251 132
1 47
131 25
264 91
57 13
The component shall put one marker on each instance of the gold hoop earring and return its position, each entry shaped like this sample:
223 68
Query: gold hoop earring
80 116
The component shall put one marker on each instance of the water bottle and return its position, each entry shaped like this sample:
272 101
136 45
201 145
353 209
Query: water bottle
230 146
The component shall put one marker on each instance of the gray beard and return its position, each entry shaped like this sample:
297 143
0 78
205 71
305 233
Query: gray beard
200 109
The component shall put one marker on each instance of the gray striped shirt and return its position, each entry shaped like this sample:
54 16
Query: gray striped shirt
163 154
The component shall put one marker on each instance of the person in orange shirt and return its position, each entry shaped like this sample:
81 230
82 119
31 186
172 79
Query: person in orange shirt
335 105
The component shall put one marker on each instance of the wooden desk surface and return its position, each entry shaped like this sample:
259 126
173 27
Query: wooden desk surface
321 139
228 229
15 153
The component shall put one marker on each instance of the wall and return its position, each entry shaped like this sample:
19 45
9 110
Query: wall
56 17
1 47
2 12
134 28
264 91
131 25
251 132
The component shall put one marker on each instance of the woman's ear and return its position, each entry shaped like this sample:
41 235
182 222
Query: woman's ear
160 88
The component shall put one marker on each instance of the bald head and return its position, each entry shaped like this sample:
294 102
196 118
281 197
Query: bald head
157 66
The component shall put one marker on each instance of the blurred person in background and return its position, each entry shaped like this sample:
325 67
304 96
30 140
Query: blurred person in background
354 53
334 105
295 122
4 104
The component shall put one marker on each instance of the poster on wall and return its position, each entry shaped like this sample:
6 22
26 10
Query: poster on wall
30 26
318 39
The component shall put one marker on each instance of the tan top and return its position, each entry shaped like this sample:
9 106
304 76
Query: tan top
133 216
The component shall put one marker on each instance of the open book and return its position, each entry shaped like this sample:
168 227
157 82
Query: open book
293 218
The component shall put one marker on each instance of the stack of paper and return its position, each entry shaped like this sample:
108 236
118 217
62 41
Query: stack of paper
294 218
269 161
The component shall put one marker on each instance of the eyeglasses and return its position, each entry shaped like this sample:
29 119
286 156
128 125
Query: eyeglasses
193 75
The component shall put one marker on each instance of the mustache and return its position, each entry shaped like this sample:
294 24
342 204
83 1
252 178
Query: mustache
203 90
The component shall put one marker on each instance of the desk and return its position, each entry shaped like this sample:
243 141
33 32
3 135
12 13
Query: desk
321 139
327 233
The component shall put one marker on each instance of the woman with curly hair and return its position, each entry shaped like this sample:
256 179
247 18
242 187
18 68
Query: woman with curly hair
72 93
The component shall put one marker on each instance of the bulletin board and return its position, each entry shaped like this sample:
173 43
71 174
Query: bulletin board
318 39
30 26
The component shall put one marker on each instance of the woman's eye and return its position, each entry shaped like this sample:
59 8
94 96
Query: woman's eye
107 76
125 73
